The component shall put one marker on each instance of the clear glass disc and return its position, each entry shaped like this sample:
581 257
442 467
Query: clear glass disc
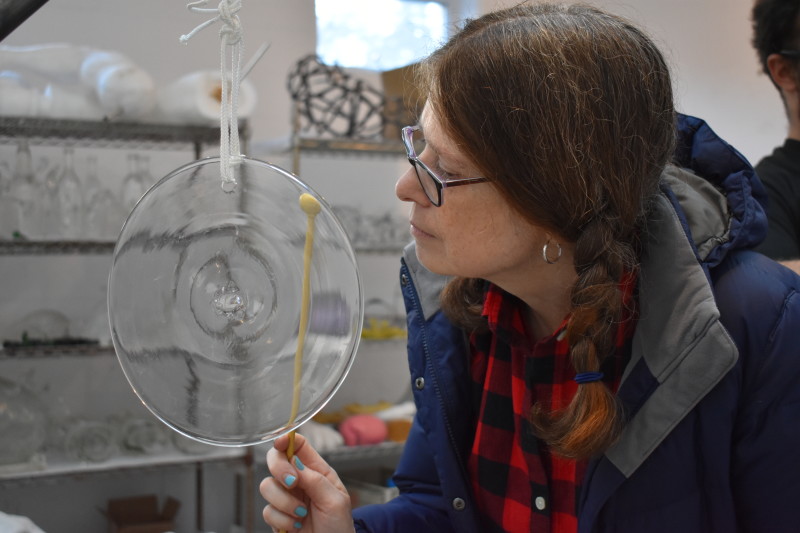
205 297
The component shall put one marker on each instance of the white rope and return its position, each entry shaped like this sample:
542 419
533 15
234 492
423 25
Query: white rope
230 35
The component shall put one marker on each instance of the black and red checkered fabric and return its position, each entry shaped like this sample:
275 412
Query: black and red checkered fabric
520 486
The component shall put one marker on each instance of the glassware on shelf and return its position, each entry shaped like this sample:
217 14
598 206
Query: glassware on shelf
144 170
9 219
23 422
143 435
94 441
190 446
50 228
134 184
91 180
40 326
69 199
27 194
104 213
60 417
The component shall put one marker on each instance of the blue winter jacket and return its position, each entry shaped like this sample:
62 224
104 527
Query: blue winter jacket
712 390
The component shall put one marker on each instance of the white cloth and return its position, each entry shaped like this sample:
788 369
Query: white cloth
321 436
67 81
17 524
195 99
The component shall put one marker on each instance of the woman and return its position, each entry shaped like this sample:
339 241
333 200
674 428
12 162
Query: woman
592 345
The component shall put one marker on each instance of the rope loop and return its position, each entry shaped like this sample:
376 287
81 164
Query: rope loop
231 31
230 36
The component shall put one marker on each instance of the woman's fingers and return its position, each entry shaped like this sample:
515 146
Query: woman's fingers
304 490
283 500
306 456
284 510
303 449
279 520
306 471
324 489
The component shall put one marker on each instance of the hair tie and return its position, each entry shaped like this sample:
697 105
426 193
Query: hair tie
587 377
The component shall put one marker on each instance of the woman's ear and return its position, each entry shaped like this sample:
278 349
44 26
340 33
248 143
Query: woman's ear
783 72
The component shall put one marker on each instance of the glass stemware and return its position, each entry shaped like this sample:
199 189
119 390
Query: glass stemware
134 184
27 194
69 198
22 423
104 213
9 221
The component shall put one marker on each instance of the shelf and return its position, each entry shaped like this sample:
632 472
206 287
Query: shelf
350 145
59 466
107 133
56 247
105 248
52 350
350 457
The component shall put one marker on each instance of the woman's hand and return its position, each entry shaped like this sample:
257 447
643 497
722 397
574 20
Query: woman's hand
304 494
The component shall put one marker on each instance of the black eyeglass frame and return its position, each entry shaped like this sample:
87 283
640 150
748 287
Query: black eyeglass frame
439 182
790 53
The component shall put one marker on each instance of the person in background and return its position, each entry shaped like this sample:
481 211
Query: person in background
593 344
776 38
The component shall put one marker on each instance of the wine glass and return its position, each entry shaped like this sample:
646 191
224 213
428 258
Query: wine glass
27 194
104 213
69 199
9 220
134 184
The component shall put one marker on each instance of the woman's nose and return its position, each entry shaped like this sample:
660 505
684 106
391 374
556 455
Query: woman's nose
409 189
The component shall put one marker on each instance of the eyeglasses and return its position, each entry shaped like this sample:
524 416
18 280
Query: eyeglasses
431 183
790 53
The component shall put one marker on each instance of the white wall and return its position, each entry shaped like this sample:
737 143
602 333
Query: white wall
715 69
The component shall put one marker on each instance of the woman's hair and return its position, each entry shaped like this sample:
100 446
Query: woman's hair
776 27
569 112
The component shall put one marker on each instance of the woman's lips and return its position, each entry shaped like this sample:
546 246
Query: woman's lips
417 232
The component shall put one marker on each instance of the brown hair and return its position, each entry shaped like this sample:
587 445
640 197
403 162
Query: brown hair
569 112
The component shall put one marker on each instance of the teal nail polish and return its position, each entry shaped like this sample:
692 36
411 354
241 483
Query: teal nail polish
298 525
289 480
298 463
300 511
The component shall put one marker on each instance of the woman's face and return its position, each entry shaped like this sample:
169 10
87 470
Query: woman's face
474 233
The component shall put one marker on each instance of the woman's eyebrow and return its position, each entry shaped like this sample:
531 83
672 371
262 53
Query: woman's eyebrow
428 141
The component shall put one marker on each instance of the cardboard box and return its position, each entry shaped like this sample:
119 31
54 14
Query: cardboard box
403 101
369 487
140 514
362 493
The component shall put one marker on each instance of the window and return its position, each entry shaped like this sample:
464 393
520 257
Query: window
378 34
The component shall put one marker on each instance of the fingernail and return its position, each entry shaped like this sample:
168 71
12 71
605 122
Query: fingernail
289 480
298 463
298 525
300 511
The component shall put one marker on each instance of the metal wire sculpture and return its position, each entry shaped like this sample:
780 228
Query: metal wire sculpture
331 103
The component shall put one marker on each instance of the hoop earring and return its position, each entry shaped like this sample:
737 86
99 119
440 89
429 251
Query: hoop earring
544 253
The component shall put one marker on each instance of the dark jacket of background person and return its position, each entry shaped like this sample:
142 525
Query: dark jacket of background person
711 391
779 172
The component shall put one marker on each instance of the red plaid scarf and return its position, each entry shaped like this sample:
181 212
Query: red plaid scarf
520 486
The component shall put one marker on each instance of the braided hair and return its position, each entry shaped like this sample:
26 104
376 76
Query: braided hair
568 110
